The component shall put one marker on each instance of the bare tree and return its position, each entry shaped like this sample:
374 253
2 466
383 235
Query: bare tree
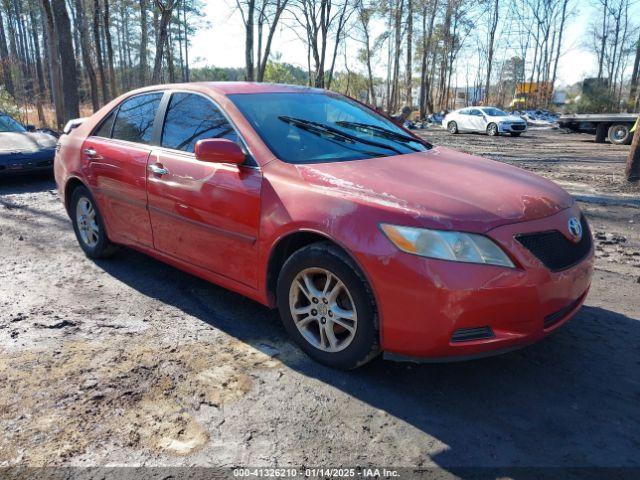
166 10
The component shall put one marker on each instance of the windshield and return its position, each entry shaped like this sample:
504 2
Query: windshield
8 124
316 127
494 112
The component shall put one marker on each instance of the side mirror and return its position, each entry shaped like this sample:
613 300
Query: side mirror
219 150
30 128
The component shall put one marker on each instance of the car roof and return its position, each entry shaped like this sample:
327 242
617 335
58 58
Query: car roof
230 88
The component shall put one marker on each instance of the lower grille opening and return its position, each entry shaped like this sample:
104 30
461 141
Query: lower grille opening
470 334
555 317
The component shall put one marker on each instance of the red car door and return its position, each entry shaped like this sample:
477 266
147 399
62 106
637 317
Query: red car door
206 214
116 156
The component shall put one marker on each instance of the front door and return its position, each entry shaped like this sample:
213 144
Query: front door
116 158
206 214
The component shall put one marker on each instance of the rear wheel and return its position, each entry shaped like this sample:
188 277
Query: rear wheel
620 134
88 225
327 307
492 129
452 127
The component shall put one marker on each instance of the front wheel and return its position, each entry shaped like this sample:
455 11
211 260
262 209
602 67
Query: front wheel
452 127
492 130
327 307
88 225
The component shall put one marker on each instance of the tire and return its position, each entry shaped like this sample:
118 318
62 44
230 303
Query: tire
620 134
348 348
516 134
492 130
89 229
452 127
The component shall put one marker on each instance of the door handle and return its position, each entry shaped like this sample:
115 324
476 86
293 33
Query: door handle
90 152
158 169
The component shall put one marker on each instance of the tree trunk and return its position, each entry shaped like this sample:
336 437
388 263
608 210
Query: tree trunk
427 37
604 39
86 54
165 17
54 64
144 42
109 44
5 60
186 41
409 96
632 171
248 45
104 83
67 62
38 58
492 36
280 6
635 80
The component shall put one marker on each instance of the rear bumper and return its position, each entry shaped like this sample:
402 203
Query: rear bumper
424 303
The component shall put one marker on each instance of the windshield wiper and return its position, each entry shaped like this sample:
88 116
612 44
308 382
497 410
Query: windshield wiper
321 128
380 132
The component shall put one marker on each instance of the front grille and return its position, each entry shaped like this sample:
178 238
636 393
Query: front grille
470 334
517 126
555 317
555 250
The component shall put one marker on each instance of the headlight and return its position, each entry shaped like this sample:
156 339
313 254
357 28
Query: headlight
447 245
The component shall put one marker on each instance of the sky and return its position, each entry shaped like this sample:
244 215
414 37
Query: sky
222 44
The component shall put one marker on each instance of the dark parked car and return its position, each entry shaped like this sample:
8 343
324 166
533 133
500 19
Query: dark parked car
22 149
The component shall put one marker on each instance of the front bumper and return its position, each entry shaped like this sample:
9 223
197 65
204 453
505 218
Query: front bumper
512 128
424 302
27 162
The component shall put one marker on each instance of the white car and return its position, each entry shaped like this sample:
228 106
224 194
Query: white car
491 120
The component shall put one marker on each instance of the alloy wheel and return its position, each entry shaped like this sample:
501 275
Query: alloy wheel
323 309
87 222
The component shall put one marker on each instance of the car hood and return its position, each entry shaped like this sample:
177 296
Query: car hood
508 118
442 188
14 142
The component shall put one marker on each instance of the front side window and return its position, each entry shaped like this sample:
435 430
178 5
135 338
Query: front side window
190 118
104 130
8 124
310 127
134 122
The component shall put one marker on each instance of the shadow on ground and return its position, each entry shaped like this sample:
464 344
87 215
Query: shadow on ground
571 400
32 183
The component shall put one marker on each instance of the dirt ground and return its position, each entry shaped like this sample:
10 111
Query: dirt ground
132 362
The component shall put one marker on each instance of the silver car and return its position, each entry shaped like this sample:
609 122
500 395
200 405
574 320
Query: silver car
489 120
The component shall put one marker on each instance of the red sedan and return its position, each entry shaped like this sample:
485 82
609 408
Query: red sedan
365 237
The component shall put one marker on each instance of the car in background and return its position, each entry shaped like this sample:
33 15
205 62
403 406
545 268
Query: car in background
366 237
489 120
23 149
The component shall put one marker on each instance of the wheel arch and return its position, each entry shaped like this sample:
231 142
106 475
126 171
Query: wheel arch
291 242
70 186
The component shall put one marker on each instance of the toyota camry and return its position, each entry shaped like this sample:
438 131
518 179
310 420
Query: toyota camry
365 237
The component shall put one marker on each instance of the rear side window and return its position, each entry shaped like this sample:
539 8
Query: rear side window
104 130
134 122
191 118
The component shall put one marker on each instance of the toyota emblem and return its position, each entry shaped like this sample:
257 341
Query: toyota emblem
575 228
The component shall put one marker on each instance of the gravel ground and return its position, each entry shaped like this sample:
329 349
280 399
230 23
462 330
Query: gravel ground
132 362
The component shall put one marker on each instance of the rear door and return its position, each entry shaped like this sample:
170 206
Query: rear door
116 156
203 213
464 119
